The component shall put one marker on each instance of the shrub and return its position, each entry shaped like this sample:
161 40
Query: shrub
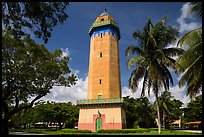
138 130
75 131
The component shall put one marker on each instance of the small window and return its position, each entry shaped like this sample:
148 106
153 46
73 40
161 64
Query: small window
100 55
102 19
101 35
100 81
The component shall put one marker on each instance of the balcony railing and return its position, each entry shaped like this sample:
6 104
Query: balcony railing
96 101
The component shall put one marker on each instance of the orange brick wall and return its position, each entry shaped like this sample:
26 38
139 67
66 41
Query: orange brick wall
105 68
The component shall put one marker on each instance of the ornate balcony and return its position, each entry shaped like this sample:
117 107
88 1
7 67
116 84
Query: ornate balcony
99 101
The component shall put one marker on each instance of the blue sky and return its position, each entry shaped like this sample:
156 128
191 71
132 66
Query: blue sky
72 36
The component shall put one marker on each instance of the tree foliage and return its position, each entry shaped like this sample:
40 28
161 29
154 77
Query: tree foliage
138 113
195 9
171 108
37 17
29 71
191 61
193 111
48 112
153 58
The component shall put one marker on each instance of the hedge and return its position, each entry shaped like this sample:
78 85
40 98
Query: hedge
138 130
75 131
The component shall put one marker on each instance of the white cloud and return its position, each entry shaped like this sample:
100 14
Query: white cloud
75 71
183 25
65 94
65 52
127 92
177 92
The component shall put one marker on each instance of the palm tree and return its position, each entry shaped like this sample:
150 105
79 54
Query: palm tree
191 61
165 104
153 59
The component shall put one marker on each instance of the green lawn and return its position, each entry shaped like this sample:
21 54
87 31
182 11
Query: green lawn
87 132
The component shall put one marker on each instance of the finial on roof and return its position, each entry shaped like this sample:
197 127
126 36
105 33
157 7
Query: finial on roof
104 12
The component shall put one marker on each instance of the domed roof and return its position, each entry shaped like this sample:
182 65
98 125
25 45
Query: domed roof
104 20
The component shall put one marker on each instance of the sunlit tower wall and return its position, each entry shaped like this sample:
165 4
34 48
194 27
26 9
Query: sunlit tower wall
103 107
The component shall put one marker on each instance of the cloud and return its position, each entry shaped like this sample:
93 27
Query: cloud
65 94
177 92
183 25
127 92
65 52
75 71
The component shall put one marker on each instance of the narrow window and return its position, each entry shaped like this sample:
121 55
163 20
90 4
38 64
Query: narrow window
101 35
100 55
100 81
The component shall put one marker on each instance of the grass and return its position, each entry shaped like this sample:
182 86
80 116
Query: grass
88 132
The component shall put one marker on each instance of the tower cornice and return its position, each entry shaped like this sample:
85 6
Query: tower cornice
102 24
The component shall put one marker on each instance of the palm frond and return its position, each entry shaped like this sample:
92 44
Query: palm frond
145 83
191 71
189 56
191 38
135 77
133 50
195 9
173 51
133 61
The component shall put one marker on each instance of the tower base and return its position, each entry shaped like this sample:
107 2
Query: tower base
99 116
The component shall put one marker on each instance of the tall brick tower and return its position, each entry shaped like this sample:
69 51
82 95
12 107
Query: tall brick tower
103 107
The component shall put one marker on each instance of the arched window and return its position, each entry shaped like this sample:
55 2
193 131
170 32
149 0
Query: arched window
102 19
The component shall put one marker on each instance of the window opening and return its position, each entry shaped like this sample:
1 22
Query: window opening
100 55
100 81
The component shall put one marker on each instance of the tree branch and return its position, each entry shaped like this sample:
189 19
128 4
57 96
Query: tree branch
18 109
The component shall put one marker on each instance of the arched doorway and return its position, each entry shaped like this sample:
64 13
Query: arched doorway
98 123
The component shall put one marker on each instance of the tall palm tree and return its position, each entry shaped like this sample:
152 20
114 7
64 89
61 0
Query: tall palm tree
191 61
153 59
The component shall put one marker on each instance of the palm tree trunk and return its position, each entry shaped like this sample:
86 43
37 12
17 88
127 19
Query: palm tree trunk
158 114
163 119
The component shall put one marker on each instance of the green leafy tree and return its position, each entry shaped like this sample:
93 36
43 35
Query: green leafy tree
37 17
153 59
193 111
138 112
59 112
191 61
47 112
175 112
130 110
144 109
29 71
